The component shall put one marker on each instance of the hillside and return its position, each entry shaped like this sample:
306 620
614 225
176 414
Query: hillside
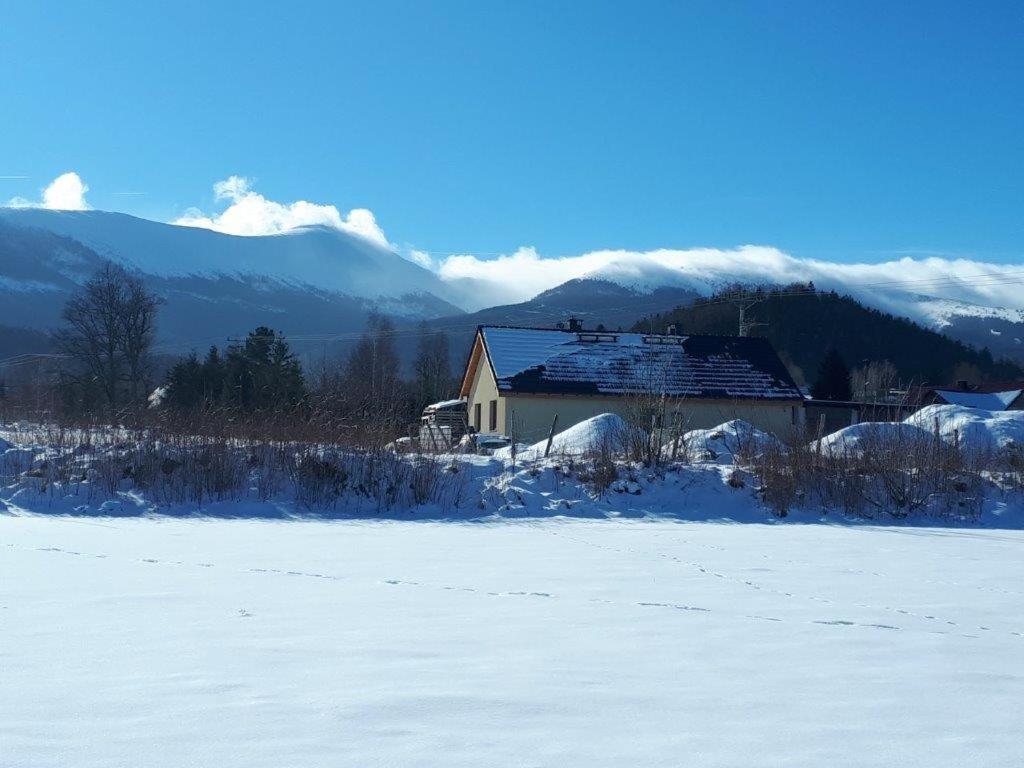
310 281
802 326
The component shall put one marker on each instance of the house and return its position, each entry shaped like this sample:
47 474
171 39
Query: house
1005 396
518 379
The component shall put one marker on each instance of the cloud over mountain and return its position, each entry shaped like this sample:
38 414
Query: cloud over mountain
250 213
65 193
525 272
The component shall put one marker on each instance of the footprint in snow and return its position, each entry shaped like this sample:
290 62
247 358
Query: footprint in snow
675 606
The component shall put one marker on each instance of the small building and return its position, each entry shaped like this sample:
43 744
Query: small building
1006 396
518 379
442 424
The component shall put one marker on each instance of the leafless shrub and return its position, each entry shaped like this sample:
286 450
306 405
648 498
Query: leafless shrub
226 460
886 473
600 466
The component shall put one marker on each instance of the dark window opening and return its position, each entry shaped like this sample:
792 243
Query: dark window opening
476 416
493 416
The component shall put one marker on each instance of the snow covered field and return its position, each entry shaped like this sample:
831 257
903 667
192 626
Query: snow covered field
155 641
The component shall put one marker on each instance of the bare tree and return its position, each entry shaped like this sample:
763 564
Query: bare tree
872 381
108 333
138 332
432 369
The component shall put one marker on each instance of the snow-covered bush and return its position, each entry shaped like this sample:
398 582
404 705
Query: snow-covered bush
875 470
733 442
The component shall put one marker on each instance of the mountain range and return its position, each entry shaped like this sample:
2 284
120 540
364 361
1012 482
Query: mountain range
318 285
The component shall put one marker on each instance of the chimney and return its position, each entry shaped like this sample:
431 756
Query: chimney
963 385
671 330
575 324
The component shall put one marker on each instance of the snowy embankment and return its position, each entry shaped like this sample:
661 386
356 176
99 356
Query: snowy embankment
731 471
259 644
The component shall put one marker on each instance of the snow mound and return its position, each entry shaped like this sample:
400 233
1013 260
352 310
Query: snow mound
724 443
854 439
579 439
973 429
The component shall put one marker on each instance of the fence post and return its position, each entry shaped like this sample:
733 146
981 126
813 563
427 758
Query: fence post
551 436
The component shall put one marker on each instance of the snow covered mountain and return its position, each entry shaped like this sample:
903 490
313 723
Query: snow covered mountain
976 302
309 280
321 282
965 301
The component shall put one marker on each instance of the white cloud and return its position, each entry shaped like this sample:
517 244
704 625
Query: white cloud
422 258
250 213
65 193
523 274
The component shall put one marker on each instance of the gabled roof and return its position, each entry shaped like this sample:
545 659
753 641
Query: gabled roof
989 401
543 361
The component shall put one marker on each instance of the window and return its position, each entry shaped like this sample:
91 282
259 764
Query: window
476 417
492 417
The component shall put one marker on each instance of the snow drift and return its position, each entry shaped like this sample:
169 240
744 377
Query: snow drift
604 430
725 443
971 429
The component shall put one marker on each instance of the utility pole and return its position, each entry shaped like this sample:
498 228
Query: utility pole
745 325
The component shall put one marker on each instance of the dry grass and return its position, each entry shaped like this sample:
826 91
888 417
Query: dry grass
184 462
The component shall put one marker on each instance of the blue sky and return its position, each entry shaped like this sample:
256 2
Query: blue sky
845 131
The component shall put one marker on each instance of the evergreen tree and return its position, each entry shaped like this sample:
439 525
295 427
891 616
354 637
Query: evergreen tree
833 382
185 384
802 323
213 378
262 373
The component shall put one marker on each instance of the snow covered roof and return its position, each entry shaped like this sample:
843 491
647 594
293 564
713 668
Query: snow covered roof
989 401
446 405
548 361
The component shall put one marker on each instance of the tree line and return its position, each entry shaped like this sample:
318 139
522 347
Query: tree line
109 366
814 331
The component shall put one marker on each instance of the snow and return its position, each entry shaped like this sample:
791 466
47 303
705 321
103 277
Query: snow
584 437
724 443
940 313
259 644
857 437
973 429
989 401
445 404
670 621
